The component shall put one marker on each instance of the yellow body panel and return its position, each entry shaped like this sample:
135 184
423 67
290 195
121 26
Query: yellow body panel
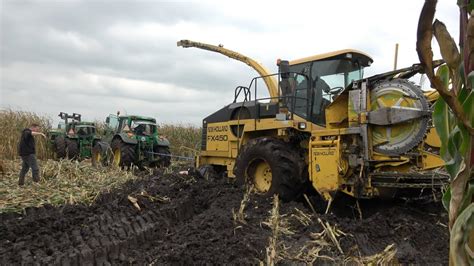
218 137
431 161
324 167
336 113
432 138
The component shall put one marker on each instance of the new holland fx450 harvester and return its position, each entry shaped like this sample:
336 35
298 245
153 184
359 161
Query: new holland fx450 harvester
324 125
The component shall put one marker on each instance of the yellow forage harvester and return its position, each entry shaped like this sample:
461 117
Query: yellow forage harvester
327 126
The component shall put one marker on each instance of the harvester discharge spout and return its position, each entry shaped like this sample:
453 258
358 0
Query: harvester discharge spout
270 81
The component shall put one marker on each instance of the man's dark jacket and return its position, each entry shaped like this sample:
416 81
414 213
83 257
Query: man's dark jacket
27 143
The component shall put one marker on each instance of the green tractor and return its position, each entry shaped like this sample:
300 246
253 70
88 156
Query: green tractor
73 139
134 140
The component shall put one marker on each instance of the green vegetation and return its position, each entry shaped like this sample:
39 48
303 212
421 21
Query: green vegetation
453 117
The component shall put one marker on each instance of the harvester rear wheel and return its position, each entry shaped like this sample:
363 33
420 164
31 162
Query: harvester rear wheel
72 149
60 147
124 154
272 166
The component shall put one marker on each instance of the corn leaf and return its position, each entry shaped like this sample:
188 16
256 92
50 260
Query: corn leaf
448 48
461 231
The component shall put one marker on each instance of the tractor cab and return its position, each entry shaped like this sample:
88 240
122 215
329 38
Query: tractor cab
132 125
143 127
310 84
83 129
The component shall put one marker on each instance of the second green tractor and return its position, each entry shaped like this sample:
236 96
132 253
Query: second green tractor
133 140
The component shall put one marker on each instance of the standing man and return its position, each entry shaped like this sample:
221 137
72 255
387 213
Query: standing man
27 152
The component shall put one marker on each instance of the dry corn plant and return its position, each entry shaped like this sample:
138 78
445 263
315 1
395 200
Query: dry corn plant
61 182
239 217
326 240
386 257
332 233
274 224
184 138
302 217
12 123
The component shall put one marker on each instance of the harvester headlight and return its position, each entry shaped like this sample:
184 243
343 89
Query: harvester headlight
302 125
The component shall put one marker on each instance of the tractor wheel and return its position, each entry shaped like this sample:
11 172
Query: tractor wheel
124 154
164 160
272 167
60 147
101 154
72 149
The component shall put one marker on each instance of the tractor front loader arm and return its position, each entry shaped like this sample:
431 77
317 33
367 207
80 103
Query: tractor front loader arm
270 81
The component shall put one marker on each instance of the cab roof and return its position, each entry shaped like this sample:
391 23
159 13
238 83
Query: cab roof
138 117
362 57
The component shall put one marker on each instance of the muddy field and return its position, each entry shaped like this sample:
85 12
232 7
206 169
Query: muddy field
173 219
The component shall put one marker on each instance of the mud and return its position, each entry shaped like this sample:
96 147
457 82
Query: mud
189 220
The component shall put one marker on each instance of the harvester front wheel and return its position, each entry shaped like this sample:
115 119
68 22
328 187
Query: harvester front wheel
60 147
272 167
124 154
72 149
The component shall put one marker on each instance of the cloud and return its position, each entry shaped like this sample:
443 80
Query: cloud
97 57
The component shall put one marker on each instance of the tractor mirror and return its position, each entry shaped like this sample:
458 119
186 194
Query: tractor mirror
107 120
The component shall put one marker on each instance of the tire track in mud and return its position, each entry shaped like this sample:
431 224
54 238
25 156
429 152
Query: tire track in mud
99 234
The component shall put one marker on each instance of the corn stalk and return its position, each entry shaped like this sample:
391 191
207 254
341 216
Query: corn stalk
453 116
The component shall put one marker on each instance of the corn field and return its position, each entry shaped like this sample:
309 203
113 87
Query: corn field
185 138
12 123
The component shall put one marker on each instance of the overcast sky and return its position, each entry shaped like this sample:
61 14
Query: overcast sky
96 57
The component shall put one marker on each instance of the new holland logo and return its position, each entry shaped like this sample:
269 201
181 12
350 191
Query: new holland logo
323 153
218 129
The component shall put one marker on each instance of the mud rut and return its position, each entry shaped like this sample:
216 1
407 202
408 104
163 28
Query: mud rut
190 221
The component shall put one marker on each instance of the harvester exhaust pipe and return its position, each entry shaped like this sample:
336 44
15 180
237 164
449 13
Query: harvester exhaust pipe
395 60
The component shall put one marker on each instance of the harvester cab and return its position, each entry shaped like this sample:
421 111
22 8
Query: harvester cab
135 140
327 127
73 138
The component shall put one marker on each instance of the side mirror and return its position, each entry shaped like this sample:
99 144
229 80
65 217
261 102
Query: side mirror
107 120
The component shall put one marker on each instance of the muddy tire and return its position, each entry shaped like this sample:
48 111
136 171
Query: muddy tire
123 154
273 167
72 149
164 161
60 147
101 154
